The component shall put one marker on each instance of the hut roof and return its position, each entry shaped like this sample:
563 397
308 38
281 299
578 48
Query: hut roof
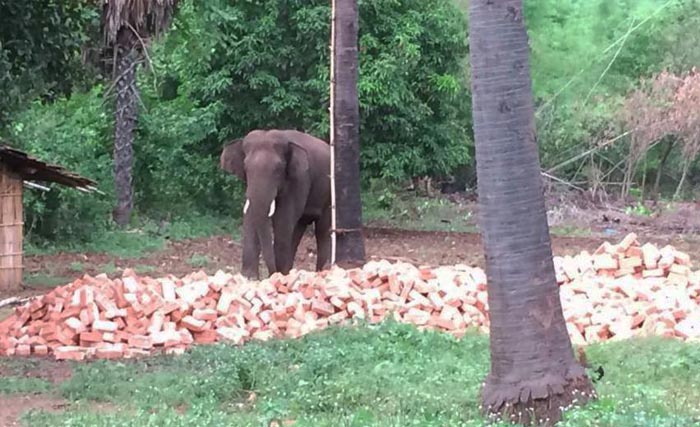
32 169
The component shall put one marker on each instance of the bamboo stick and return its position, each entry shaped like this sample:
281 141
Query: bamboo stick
332 136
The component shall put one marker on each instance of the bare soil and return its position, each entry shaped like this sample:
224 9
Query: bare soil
222 253
13 406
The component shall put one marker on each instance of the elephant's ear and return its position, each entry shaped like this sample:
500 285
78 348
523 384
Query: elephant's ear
297 161
232 158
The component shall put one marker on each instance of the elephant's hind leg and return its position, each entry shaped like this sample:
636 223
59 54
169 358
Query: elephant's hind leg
299 231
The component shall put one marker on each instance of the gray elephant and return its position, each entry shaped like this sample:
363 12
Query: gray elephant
287 177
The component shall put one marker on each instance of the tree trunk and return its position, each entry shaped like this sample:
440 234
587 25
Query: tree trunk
125 116
533 369
659 171
350 247
684 174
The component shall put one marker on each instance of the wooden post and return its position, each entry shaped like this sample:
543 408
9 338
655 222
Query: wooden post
11 229
334 238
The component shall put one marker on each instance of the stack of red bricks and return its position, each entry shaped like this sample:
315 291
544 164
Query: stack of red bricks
618 292
134 316
626 290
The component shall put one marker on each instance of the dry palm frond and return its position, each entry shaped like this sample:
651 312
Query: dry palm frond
144 18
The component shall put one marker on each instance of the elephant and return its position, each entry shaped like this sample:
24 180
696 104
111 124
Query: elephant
288 187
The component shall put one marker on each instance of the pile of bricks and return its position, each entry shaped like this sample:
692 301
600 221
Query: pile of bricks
618 292
626 290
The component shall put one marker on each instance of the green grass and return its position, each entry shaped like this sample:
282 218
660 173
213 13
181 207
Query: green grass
199 261
23 385
389 208
138 241
390 375
144 269
45 280
77 267
570 231
110 268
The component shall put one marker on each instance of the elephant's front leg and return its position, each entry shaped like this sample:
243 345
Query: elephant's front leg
283 224
323 240
251 250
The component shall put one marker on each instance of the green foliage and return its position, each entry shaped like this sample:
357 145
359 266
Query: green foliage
41 43
228 67
265 64
75 133
387 375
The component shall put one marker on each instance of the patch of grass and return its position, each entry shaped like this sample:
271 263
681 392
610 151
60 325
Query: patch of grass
77 267
387 207
144 269
10 384
199 260
45 280
149 236
386 375
570 231
110 268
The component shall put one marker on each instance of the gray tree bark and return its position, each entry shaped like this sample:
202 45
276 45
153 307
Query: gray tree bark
126 114
350 249
533 369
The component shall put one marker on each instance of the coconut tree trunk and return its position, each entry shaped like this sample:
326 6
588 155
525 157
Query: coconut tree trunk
533 369
126 113
350 248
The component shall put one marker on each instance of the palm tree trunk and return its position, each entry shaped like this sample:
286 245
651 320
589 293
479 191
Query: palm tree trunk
350 248
533 369
126 111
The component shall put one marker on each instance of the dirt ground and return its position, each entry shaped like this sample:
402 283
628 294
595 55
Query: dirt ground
220 252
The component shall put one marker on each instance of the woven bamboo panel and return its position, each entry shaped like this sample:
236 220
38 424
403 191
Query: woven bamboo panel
11 229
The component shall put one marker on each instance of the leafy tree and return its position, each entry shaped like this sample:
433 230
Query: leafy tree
347 201
127 26
534 373
43 45
266 65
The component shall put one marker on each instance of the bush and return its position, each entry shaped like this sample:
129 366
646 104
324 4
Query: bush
75 133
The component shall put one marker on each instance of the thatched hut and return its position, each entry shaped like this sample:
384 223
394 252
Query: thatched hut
19 170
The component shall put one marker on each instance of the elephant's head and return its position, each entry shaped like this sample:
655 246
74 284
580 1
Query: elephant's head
266 161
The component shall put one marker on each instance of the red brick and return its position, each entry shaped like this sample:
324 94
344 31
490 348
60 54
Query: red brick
23 350
91 337
140 341
69 353
194 325
206 314
322 307
109 353
41 350
205 337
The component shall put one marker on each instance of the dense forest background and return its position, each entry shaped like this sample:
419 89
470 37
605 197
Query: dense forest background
606 122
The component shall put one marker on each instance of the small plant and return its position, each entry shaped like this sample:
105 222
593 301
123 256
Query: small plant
199 261
144 269
638 209
110 268
77 267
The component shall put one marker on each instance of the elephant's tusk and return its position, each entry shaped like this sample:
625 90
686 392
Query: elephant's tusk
272 209
246 206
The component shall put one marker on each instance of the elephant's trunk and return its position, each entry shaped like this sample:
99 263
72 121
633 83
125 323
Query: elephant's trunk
260 211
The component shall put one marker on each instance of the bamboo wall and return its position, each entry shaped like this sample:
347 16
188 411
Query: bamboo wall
11 229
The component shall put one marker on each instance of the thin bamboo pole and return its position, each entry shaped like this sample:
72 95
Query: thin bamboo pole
332 138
